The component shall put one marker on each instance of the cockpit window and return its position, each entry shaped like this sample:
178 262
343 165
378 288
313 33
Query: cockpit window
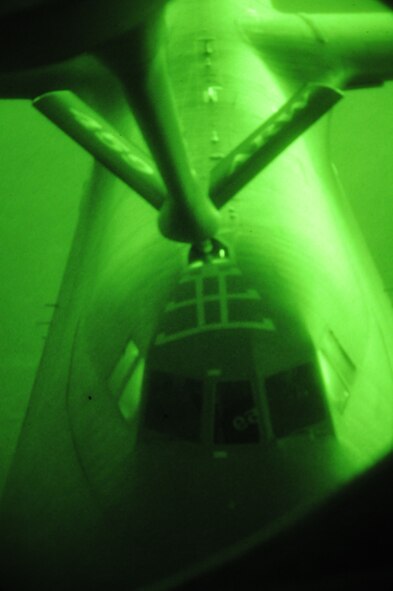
296 400
174 406
236 417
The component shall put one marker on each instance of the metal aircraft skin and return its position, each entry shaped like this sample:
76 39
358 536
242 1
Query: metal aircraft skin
214 252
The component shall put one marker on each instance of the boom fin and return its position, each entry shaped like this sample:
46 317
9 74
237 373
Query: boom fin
126 160
248 159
